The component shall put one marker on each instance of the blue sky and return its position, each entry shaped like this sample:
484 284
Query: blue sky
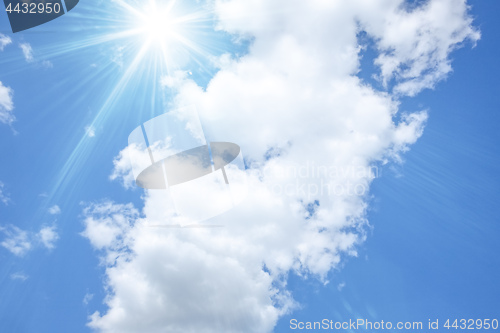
430 251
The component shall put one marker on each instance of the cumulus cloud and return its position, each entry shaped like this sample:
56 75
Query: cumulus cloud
4 41
6 105
414 46
313 135
204 289
109 232
124 164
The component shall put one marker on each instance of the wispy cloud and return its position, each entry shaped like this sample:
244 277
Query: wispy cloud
54 210
19 276
4 41
87 298
47 64
6 93
90 130
4 197
16 240
30 57
117 55
6 105
27 52
19 242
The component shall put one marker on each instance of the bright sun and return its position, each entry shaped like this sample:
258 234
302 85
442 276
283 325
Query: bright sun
164 34
157 25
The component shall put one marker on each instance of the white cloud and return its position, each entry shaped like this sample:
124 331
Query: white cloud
341 286
4 198
30 58
109 232
19 242
6 105
123 169
27 52
293 103
4 41
48 236
19 276
16 240
189 281
54 210
414 46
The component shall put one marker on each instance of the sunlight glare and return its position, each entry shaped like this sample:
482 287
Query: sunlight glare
157 25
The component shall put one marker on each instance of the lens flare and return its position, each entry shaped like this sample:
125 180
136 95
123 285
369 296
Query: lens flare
158 26
134 45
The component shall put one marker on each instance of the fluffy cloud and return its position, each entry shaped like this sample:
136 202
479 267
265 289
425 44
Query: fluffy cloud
123 167
190 282
19 242
6 104
414 45
312 133
107 225
48 236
